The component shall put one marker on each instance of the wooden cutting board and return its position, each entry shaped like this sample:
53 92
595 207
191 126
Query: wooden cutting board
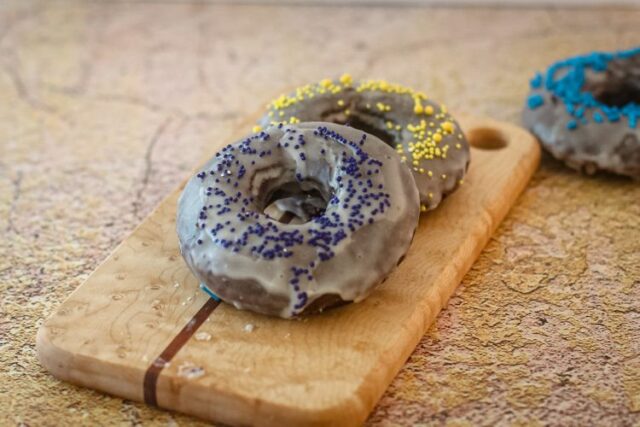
140 328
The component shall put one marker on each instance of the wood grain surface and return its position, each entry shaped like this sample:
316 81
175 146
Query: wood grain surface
106 106
328 369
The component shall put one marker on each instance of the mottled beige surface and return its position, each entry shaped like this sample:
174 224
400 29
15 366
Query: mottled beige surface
105 108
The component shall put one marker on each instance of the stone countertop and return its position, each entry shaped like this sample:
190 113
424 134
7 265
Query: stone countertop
107 107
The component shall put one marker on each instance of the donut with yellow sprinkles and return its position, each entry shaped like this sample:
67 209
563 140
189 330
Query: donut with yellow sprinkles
424 134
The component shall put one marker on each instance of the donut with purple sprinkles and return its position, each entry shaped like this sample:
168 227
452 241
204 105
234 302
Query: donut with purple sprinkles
585 111
356 210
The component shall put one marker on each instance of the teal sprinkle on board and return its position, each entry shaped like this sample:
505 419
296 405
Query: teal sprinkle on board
535 101
568 88
209 292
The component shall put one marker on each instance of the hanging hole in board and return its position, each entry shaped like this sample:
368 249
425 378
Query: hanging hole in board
486 138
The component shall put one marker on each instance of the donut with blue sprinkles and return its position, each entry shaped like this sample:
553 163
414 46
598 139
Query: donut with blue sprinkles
585 111
358 208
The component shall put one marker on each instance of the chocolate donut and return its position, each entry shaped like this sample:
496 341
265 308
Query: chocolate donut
337 252
424 134
585 111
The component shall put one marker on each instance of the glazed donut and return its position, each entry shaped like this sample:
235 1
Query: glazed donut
585 111
369 212
423 133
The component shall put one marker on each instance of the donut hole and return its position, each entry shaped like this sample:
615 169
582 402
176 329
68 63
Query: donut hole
296 202
486 138
615 93
357 121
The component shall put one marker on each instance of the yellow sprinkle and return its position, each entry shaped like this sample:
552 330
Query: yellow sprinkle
429 173
430 195
428 110
257 128
458 146
423 208
341 102
461 182
447 126
325 83
346 79
418 109
444 176
390 125
398 127
437 137
347 112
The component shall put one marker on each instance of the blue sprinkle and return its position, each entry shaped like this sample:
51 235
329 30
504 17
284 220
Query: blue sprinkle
536 81
570 108
572 125
535 101
597 117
